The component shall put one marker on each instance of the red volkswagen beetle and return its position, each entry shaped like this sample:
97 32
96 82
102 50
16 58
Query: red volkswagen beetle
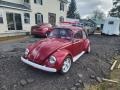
57 52
42 30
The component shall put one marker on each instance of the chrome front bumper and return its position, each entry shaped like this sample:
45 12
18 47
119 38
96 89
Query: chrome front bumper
38 66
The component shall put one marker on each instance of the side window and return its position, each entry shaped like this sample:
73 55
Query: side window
84 35
27 18
38 18
78 35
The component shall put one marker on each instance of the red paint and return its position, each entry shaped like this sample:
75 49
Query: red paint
41 30
57 47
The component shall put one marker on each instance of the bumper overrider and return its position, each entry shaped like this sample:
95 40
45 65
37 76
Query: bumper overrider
44 68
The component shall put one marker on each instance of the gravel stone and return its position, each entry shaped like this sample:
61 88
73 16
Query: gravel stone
2 56
15 86
30 80
4 87
23 82
81 83
67 77
80 75
73 88
99 79
92 76
80 89
77 85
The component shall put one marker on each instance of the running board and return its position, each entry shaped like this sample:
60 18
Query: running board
78 56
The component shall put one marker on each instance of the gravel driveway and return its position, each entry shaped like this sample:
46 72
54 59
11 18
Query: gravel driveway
15 75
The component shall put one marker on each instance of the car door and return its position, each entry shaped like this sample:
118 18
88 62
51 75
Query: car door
77 43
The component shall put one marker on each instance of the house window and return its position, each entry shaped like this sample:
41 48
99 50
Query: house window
38 2
14 21
61 19
38 18
61 6
27 18
1 18
27 1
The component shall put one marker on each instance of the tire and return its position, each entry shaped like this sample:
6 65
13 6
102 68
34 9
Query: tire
66 65
88 49
47 33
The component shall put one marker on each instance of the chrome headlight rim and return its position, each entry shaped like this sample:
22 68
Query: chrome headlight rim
26 52
52 60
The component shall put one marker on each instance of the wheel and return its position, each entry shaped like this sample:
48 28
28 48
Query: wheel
47 33
88 49
66 65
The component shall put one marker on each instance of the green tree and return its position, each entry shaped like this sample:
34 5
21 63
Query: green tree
98 15
72 9
77 16
115 11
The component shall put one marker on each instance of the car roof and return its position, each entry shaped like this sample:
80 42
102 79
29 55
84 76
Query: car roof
73 28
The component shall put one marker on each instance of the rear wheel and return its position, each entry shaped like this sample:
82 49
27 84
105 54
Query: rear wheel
88 49
66 65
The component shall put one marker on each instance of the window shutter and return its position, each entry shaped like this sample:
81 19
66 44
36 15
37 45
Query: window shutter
42 18
36 18
63 7
60 6
41 2
35 1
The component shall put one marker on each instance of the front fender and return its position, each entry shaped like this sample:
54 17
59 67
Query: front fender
60 56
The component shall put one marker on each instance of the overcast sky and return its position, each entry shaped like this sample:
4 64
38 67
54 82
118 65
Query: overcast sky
86 7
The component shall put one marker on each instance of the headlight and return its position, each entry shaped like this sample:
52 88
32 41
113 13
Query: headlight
52 60
26 52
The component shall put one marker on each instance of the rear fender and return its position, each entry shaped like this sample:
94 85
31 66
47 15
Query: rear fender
86 44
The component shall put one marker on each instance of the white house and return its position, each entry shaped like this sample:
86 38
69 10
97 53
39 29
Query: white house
17 16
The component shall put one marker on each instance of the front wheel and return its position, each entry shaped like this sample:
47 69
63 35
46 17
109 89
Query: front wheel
66 65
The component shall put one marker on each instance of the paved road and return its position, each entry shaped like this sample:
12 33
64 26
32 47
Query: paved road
15 75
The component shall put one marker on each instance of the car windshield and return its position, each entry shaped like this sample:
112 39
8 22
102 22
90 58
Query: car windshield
61 33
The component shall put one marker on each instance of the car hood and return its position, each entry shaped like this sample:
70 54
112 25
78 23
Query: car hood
43 49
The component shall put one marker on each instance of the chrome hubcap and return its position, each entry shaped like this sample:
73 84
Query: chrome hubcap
66 65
